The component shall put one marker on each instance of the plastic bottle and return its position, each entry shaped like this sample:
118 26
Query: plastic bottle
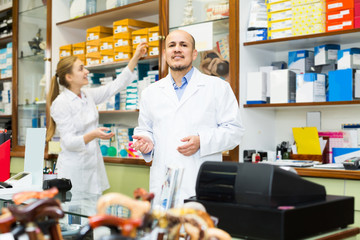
90 7
278 156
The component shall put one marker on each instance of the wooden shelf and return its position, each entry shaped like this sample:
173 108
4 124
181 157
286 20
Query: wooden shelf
5 116
307 41
139 9
310 104
118 111
119 160
5 40
113 65
5 9
6 79
328 173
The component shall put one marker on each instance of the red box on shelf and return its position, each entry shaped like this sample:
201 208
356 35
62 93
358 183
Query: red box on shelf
357 22
335 5
357 9
338 26
340 16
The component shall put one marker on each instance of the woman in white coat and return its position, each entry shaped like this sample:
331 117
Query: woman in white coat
186 118
74 114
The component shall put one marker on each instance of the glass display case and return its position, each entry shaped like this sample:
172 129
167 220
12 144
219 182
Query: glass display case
32 64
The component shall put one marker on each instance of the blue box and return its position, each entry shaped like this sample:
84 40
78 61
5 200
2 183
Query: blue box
347 58
301 61
341 151
341 85
326 54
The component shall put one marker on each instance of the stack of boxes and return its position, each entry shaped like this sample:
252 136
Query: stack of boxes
154 41
65 51
107 45
6 61
79 50
93 42
340 15
5 105
308 16
257 25
279 19
125 32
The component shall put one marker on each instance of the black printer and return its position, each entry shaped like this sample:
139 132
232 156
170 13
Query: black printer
261 201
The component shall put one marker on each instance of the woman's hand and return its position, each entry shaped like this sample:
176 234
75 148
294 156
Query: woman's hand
101 132
141 50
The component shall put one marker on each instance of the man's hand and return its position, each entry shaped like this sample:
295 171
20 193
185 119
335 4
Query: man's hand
191 147
143 144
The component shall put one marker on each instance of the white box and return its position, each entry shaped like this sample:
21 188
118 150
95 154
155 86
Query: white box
301 61
267 70
326 54
282 86
256 88
310 87
349 58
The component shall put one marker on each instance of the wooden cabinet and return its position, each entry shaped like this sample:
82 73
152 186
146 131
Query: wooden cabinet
269 124
31 67
67 31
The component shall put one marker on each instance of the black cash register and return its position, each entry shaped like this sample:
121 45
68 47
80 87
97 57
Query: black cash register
261 201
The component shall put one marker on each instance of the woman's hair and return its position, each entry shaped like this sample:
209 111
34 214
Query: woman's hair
64 67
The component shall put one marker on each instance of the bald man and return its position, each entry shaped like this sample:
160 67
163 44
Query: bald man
185 119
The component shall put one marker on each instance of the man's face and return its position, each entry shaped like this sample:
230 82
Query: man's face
179 51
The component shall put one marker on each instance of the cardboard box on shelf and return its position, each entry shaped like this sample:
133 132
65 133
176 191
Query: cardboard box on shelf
79 48
153 34
335 5
65 51
98 32
129 25
106 43
122 39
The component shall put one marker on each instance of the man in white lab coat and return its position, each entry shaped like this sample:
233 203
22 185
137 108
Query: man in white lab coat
186 118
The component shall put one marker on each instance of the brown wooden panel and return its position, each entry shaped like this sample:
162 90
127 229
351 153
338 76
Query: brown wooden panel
328 173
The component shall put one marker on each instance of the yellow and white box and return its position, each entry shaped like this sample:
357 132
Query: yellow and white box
123 53
65 51
309 29
281 33
107 43
153 51
98 32
278 6
93 58
295 3
140 36
313 9
122 39
107 56
129 25
93 46
79 48
276 25
153 34
279 16
309 24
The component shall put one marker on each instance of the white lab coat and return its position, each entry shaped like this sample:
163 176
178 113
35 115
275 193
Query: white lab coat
208 108
74 117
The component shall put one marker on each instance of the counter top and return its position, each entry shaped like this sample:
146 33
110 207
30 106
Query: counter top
329 173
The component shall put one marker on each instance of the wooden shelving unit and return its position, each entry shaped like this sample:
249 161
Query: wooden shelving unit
139 9
307 41
309 104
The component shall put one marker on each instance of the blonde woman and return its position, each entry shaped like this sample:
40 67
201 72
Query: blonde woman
73 113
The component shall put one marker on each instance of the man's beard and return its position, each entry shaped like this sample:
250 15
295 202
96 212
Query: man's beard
180 68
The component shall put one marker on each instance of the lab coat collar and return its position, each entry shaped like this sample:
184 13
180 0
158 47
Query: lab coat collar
194 84
72 96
